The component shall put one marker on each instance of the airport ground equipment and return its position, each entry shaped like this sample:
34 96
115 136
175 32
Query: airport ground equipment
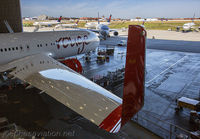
101 58
195 119
189 103
110 51
122 43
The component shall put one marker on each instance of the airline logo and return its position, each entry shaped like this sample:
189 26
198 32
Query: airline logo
79 41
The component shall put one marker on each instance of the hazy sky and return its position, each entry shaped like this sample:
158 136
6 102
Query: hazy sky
118 8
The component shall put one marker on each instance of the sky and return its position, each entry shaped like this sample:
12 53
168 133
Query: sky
118 8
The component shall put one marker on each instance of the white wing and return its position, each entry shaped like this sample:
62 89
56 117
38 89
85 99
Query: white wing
68 87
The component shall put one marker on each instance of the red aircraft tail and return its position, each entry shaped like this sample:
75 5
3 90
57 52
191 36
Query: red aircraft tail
109 19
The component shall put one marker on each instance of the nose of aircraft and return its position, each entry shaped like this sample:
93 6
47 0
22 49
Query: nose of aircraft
104 32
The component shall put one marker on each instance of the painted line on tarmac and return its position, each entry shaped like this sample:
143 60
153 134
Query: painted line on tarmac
165 70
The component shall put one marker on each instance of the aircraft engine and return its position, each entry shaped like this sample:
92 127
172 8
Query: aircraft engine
115 33
74 64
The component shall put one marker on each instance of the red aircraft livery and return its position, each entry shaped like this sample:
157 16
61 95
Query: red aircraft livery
78 41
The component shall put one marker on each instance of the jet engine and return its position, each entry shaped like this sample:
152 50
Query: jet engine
74 64
115 33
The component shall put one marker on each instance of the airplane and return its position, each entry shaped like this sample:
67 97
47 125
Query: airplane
104 31
47 24
93 25
67 25
33 58
188 26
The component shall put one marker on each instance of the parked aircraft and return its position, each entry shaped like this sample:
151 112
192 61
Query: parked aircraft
93 25
188 26
32 58
67 25
47 24
104 31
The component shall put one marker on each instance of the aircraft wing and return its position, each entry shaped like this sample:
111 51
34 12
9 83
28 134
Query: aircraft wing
112 30
94 30
68 87
98 105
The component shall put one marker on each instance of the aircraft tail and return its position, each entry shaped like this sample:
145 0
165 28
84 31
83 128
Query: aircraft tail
134 81
193 18
109 19
77 22
98 18
59 19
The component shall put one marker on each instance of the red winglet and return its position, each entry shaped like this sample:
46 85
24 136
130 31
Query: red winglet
134 81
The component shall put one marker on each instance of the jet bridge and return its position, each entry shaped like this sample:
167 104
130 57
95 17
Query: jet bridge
10 16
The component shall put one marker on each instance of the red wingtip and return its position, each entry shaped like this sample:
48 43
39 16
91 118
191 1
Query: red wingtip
112 123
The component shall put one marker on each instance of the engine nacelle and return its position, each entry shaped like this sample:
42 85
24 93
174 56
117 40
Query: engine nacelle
115 33
74 64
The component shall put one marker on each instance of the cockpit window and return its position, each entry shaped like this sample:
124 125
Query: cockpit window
104 28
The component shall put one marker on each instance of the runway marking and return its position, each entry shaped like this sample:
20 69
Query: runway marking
166 70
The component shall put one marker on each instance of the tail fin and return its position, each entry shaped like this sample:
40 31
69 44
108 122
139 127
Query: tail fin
59 19
193 18
98 18
77 21
109 19
134 81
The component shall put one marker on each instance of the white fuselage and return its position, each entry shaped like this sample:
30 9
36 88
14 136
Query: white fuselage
46 23
57 44
66 25
188 26
95 24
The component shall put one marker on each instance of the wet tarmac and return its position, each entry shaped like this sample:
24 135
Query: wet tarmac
169 75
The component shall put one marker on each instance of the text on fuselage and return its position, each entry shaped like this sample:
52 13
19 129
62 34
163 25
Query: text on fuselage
68 42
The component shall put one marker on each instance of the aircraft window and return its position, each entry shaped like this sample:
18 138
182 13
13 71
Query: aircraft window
13 48
1 50
27 46
46 44
5 49
9 49
53 43
16 48
40 45
21 47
